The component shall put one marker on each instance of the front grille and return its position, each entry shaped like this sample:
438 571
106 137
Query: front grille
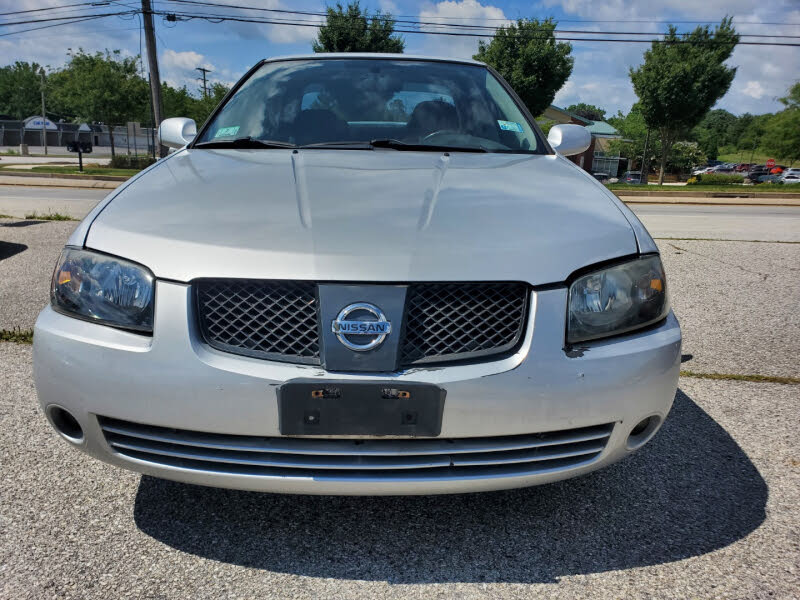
457 321
279 320
265 319
362 459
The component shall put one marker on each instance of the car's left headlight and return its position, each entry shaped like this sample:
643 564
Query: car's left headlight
617 299
104 289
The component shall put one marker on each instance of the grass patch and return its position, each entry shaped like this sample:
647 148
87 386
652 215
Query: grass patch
49 217
18 336
93 170
759 158
7 217
738 377
783 189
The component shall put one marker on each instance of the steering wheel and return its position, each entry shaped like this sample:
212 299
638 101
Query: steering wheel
438 132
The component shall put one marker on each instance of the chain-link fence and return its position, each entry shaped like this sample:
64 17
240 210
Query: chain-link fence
127 139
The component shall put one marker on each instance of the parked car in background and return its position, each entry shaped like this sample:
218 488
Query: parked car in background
364 274
757 171
742 167
601 177
790 176
632 177
768 178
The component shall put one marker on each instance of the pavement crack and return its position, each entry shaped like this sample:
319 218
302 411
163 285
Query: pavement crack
763 276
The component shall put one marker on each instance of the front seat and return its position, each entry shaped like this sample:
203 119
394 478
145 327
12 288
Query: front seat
318 125
430 116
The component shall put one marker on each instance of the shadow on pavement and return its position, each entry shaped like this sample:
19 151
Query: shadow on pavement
25 223
9 249
690 491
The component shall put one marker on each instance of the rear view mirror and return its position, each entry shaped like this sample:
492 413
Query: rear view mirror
569 139
177 132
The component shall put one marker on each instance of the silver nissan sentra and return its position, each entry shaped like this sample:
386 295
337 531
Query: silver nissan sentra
365 274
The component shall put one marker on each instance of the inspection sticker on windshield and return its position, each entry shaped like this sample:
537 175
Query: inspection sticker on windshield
223 131
510 126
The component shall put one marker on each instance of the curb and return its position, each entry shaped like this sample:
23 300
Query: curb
700 194
67 176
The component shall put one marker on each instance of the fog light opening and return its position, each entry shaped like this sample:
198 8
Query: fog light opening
643 431
65 424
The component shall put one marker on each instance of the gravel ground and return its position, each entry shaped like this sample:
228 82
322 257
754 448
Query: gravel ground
708 509
28 253
737 303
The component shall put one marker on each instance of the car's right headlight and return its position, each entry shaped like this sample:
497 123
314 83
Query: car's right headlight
104 289
617 299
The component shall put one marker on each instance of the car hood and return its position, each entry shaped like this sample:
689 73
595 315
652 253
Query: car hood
363 215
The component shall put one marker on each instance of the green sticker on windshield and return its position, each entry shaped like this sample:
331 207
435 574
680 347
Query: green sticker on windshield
226 131
510 126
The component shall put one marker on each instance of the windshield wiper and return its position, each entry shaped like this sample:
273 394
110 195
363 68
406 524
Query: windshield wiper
399 145
345 145
245 142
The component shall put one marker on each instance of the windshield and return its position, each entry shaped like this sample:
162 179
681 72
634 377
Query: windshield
350 101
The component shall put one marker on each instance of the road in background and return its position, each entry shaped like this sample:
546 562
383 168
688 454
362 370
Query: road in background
705 510
762 223
18 201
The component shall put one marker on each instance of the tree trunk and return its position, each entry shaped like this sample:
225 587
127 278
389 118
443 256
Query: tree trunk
665 146
111 138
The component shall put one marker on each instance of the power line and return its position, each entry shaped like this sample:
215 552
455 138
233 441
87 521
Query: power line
218 18
32 10
53 25
398 18
98 15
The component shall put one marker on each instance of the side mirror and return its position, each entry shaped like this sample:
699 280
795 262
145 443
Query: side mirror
177 132
569 139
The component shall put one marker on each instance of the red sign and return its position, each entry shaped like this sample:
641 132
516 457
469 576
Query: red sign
770 163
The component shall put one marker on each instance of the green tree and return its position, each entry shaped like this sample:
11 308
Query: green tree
103 87
682 78
530 58
782 131
633 129
20 90
587 111
793 99
351 29
716 129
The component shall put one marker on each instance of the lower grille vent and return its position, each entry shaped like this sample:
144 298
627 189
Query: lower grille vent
417 458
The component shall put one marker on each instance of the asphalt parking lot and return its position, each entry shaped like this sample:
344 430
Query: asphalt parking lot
708 509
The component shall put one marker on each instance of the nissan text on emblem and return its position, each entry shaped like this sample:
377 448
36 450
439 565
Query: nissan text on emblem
361 320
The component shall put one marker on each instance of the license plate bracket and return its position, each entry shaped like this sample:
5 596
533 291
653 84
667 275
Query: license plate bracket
314 407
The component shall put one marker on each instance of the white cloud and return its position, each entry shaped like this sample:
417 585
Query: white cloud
277 34
469 12
764 73
180 69
753 89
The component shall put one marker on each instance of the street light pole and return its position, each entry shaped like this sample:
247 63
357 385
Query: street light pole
44 118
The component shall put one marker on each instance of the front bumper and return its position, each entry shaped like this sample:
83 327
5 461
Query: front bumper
174 380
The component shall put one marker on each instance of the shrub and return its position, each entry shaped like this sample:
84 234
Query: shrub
691 181
717 179
125 161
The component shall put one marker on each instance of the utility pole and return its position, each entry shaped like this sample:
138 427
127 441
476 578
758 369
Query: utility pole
44 117
204 71
152 63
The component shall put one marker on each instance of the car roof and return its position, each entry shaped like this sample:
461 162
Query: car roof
374 56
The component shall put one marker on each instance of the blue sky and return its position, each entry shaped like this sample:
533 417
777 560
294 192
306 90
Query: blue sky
600 75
